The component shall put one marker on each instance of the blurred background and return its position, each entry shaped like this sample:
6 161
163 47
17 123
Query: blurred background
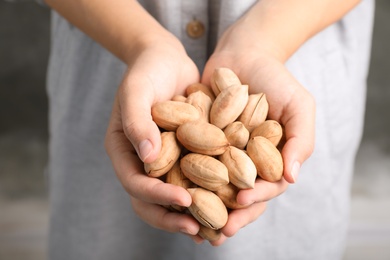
24 48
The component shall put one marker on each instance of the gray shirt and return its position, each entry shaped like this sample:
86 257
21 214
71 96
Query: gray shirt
91 215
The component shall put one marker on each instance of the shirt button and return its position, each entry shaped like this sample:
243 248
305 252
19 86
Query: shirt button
195 29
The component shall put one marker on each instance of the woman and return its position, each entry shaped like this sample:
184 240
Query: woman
297 52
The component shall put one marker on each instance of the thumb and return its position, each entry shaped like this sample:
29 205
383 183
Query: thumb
300 136
138 125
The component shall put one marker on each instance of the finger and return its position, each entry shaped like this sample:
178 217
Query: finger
130 170
141 88
197 239
239 218
136 98
299 124
220 241
263 191
161 218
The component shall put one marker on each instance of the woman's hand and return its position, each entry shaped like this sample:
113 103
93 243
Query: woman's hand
292 106
161 70
289 103
262 69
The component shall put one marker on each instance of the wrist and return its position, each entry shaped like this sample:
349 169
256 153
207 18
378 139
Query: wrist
240 40
278 28
251 38
159 38
124 28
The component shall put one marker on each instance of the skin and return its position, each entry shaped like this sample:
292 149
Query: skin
255 48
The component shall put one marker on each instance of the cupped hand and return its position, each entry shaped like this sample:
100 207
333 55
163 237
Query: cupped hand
289 103
158 72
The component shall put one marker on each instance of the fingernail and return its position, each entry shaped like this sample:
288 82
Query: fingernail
295 170
145 147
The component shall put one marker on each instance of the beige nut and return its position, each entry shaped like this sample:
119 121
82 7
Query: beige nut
228 194
176 177
242 171
269 129
169 154
209 234
266 157
204 170
237 134
228 105
208 208
169 115
202 137
255 112
200 87
223 78
202 103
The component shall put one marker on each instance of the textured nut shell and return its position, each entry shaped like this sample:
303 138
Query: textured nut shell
228 194
170 114
202 87
204 170
208 208
228 105
269 129
169 154
202 137
176 177
209 234
266 157
202 103
255 112
236 134
242 171
223 78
